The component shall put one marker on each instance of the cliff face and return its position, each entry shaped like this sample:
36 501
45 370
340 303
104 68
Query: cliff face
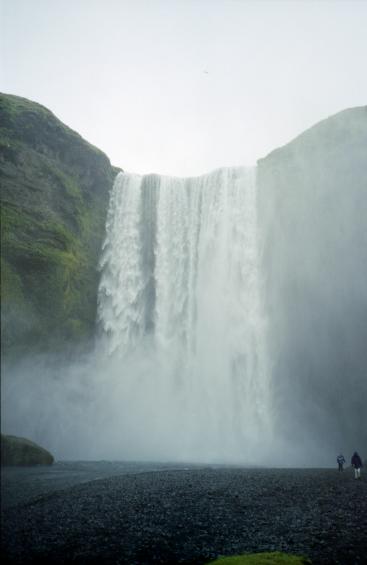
313 216
54 197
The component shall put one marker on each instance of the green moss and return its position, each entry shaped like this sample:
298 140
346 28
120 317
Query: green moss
273 558
16 111
67 184
11 286
13 105
55 191
45 263
17 451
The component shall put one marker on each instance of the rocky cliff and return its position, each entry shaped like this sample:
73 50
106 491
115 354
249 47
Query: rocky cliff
54 197
313 214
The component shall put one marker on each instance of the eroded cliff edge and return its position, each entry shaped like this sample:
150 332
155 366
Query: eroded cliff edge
54 197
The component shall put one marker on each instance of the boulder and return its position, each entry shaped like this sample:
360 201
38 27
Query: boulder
19 451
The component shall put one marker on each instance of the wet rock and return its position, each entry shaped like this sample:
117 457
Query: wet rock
21 451
170 517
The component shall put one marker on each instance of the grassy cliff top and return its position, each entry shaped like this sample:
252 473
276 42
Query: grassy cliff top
27 121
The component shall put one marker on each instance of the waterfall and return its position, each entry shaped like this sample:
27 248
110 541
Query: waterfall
180 314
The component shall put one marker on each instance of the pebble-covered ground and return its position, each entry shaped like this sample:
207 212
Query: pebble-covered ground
190 516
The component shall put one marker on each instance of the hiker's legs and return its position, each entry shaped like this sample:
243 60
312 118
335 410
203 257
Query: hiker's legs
357 473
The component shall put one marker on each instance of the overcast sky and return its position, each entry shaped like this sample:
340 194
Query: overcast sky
184 86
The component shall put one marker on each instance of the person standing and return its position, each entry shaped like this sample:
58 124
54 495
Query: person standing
341 460
357 464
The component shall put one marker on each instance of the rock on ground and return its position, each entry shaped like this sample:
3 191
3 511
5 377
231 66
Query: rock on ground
21 451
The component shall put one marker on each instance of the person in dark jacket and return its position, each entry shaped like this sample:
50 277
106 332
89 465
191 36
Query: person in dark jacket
341 460
357 464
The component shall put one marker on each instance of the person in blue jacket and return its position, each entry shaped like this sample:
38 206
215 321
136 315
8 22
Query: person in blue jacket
356 462
341 460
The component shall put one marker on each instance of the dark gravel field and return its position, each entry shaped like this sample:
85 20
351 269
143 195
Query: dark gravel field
190 516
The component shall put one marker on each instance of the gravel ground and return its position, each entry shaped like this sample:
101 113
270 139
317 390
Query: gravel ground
25 484
190 516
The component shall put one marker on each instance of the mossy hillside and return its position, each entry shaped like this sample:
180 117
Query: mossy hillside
18 451
55 190
273 558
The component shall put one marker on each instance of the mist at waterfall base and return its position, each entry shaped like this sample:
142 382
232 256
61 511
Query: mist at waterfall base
180 371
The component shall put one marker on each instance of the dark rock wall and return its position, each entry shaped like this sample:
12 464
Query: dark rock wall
313 217
54 197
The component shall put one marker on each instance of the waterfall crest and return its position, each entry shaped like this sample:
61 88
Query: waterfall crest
180 312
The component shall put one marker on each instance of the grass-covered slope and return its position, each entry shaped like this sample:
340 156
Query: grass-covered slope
54 196
18 451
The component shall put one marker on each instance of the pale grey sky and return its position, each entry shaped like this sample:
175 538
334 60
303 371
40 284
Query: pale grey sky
184 86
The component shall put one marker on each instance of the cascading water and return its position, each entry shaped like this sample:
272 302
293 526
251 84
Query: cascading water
180 314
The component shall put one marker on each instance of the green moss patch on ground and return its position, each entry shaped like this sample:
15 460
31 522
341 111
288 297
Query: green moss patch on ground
273 558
